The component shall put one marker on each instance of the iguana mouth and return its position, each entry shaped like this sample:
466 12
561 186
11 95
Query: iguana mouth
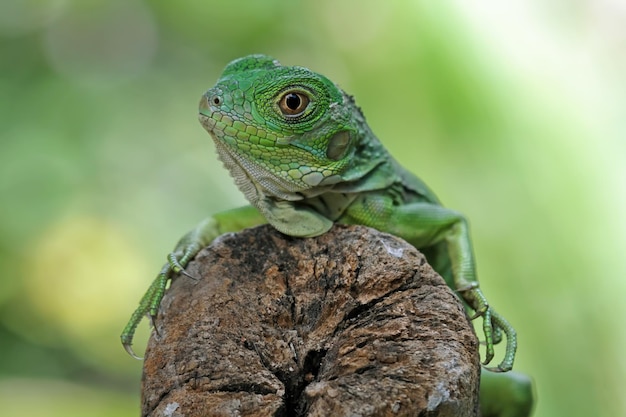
204 121
205 112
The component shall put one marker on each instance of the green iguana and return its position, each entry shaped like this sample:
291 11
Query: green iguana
303 155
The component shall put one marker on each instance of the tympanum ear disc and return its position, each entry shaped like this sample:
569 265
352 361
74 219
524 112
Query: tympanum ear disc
337 145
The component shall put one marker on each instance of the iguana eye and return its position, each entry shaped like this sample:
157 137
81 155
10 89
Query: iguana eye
293 103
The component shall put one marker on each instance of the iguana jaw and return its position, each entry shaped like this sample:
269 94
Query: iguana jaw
254 181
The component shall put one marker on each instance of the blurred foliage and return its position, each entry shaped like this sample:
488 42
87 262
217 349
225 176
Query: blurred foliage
513 113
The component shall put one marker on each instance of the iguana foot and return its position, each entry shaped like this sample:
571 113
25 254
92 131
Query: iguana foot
493 327
149 304
185 250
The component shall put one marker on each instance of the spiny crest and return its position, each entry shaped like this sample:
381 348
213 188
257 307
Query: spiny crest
251 62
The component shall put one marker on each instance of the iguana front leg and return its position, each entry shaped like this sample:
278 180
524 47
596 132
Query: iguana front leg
434 224
186 249
423 225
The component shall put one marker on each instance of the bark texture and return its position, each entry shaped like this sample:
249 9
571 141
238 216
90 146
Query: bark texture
351 323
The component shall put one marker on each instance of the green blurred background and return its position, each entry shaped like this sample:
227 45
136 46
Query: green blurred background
514 113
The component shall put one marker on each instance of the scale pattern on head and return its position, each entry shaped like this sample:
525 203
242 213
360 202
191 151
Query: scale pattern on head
288 130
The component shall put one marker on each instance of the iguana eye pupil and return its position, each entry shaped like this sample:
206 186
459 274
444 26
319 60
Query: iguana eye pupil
293 104
292 101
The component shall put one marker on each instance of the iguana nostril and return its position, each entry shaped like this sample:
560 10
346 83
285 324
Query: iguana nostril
208 101
215 100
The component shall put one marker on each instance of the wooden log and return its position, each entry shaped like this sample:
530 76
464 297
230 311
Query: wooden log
350 323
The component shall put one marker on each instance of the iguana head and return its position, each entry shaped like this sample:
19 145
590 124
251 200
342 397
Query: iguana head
284 132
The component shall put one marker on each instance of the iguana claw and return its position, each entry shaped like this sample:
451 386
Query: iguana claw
177 266
128 348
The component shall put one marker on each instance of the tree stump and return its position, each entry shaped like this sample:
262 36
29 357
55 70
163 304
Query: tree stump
350 323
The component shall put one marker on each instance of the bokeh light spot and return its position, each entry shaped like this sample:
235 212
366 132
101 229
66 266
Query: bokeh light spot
18 17
103 44
86 276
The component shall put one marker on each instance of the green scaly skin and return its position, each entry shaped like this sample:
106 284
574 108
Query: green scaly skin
300 150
